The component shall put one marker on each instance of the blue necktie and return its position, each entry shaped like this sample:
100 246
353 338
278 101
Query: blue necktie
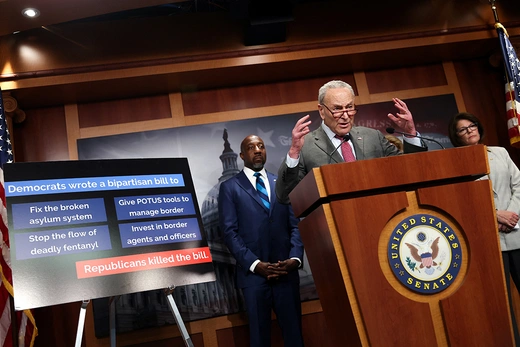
260 188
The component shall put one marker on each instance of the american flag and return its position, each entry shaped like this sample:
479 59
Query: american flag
512 87
25 324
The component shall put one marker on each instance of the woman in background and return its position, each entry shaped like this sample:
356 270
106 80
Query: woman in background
466 130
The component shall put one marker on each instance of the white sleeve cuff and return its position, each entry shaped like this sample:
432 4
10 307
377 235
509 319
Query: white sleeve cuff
252 267
290 162
299 262
414 140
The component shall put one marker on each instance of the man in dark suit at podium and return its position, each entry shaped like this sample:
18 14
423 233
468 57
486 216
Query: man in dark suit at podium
262 234
337 108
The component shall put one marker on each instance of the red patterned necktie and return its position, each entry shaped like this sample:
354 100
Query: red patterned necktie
346 150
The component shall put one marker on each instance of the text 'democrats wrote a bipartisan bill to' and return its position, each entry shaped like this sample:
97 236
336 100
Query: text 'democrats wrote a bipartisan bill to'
106 226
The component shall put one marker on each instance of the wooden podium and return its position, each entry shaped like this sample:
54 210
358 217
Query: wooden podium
404 250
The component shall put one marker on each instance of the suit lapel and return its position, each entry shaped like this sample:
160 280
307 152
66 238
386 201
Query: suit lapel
246 185
492 157
322 141
357 141
272 183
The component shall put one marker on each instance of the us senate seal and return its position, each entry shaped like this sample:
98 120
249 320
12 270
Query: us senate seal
424 253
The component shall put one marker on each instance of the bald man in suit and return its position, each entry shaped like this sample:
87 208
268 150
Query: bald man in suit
262 235
337 108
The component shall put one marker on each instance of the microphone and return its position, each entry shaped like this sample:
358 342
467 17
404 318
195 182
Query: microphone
343 140
392 130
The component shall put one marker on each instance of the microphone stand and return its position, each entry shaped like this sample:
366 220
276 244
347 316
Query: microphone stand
343 140
392 130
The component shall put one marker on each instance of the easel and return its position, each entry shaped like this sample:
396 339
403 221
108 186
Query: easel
176 314
81 322
112 319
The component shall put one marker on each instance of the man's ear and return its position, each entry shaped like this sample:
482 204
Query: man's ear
320 110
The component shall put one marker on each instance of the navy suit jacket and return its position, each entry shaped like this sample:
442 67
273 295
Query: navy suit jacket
252 232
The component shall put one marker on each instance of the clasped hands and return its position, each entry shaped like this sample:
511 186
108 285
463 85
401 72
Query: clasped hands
275 270
507 220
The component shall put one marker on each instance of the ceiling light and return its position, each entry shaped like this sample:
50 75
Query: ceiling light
30 12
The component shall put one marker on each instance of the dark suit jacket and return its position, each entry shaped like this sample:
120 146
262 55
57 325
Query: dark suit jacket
252 232
368 144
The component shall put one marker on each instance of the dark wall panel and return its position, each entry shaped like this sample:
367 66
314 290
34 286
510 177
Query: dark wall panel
261 95
124 111
406 78
57 325
42 136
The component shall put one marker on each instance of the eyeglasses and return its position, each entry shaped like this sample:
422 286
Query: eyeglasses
466 130
338 112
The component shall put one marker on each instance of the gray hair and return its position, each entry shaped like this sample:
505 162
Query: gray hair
331 85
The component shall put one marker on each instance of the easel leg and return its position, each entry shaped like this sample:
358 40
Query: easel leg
178 318
112 320
81 322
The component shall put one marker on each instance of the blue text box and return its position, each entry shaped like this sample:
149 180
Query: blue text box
152 206
53 213
51 243
91 184
159 232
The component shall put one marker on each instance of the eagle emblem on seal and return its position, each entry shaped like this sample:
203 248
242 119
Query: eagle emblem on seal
425 256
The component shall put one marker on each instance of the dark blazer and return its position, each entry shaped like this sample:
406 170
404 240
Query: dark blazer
252 232
368 144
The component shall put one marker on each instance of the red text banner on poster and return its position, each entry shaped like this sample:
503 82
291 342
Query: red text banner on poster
139 262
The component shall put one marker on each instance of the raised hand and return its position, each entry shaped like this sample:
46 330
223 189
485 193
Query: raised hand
403 118
299 131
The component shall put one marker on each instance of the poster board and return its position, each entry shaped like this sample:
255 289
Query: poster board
82 230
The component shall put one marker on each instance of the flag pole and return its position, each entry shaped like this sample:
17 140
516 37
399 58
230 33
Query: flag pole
494 9
14 323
